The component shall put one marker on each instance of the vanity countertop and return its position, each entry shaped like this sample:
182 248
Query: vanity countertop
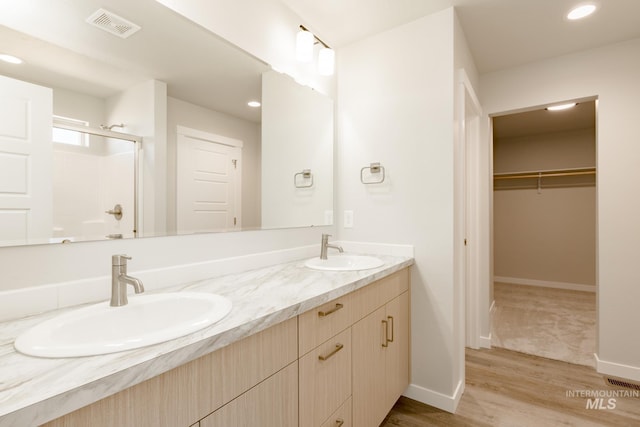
36 390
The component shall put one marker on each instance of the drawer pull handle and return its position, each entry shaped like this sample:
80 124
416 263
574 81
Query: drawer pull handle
385 341
391 319
333 310
339 422
335 350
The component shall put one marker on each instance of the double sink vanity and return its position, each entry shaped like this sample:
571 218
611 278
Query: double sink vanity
304 343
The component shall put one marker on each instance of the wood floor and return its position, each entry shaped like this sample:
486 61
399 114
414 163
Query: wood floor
506 388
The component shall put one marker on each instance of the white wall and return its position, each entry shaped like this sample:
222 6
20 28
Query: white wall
143 111
182 113
297 134
396 107
611 74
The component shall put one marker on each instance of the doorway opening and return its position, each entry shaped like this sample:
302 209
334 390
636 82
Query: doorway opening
544 233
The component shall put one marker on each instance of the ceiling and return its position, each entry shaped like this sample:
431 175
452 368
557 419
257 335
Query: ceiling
538 122
500 33
61 50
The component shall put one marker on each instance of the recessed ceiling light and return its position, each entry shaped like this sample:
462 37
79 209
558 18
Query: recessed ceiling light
254 104
10 59
561 107
581 11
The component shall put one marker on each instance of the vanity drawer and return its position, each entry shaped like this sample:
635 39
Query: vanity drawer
325 379
318 325
368 299
340 418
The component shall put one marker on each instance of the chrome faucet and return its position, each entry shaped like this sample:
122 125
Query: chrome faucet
119 281
325 245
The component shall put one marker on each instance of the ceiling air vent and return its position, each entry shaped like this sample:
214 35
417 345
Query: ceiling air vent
112 23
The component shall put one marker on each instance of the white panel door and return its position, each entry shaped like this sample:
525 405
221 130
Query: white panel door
26 114
208 183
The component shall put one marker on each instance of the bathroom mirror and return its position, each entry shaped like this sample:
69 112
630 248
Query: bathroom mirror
176 85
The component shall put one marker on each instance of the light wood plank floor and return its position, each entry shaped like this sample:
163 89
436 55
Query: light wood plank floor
507 388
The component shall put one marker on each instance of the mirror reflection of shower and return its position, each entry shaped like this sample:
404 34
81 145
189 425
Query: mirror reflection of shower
95 184
109 127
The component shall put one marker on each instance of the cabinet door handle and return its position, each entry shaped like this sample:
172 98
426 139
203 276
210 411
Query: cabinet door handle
333 310
339 422
385 341
334 351
391 320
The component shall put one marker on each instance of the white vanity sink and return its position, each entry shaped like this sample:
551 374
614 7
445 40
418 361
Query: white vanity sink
102 329
341 262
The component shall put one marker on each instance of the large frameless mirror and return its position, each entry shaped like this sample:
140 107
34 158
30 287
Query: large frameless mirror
129 120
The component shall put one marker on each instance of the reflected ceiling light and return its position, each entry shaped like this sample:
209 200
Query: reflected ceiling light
581 11
304 51
562 107
10 59
254 104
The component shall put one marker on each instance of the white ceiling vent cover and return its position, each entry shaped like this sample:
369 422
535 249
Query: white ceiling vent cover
112 23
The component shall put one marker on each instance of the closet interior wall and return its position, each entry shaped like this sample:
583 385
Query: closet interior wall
545 231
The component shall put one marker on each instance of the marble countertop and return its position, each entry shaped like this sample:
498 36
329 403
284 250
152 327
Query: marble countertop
36 390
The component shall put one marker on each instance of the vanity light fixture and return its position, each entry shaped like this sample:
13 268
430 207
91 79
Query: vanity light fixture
305 41
304 45
253 104
581 11
10 59
561 107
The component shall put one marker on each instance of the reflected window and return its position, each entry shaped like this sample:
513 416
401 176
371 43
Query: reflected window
68 136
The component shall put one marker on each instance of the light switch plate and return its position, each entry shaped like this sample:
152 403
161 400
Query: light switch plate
348 219
328 217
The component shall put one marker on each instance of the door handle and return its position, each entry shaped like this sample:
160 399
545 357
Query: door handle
116 212
390 318
334 351
385 341
333 310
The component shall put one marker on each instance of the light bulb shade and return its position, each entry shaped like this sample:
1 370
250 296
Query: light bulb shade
326 61
304 46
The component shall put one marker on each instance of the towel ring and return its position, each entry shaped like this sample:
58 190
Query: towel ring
374 168
306 174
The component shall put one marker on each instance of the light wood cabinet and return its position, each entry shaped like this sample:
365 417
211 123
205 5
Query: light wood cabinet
272 403
325 379
380 361
340 418
186 394
374 321
318 325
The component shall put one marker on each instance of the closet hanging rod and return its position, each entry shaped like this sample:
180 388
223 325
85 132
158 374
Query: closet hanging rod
529 175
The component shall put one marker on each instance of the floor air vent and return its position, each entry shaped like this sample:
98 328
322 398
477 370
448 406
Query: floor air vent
112 23
615 382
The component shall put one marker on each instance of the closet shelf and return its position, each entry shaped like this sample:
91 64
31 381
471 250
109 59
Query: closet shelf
554 178
545 173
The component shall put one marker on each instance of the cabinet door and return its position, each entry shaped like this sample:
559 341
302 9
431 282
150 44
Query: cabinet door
397 354
325 379
340 418
272 403
369 394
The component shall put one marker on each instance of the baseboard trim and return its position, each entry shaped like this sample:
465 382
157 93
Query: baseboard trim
545 284
485 342
434 398
617 369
